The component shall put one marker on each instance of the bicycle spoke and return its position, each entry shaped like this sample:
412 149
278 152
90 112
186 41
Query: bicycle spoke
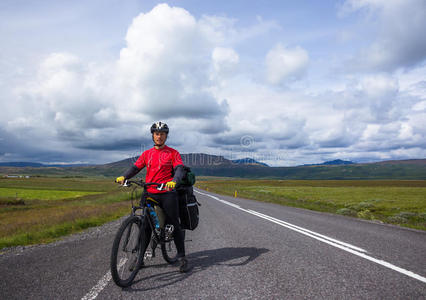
130 250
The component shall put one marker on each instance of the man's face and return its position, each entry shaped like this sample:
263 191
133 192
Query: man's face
159 138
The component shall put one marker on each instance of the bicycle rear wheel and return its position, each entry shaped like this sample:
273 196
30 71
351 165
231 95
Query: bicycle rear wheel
125 255
168 247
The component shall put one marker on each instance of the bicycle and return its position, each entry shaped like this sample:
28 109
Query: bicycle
126 255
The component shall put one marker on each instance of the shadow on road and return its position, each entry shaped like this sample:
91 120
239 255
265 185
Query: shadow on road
225 256
199 261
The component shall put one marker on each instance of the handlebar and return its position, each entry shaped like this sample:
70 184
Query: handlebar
160 186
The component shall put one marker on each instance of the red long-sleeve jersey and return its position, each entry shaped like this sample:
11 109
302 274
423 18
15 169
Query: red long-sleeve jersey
159 165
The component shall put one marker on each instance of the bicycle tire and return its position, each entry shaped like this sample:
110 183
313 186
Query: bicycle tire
125 255
168 249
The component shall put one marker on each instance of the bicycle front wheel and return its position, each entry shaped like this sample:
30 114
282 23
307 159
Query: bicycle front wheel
125 255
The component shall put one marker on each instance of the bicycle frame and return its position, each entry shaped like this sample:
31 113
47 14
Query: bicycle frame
145 215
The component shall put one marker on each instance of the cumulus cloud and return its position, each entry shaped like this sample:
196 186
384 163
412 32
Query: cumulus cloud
165 65
167 70
193 73
375 115
377 93
225 60
284 62
65 100
162 73
400 29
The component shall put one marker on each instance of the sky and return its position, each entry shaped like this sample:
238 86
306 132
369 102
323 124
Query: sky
283 82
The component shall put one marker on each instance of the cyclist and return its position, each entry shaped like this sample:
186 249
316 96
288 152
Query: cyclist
160 162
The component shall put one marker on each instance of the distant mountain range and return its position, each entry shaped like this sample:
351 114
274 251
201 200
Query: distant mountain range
213 165
248 161
191 159
333 163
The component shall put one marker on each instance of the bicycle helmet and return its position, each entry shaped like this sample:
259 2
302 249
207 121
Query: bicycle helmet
159 127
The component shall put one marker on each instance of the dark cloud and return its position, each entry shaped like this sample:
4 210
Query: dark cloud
13 148
294 144
238 140
200 106
336 142
115 144
216 126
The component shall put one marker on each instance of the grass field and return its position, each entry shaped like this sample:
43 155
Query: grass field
396 202
31 194
42 209
39 210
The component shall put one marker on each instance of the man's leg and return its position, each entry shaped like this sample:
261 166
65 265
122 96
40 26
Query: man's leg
170 205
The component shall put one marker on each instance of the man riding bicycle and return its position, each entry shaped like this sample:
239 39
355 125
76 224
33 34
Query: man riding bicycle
161 162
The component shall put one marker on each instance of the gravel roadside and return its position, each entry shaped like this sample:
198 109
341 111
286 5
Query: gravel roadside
90 233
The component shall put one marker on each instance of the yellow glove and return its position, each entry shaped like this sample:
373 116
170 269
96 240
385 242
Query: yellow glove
120 179
170 185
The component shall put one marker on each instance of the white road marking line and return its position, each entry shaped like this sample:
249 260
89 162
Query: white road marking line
94 292
289 224
325 239
286 224
229 203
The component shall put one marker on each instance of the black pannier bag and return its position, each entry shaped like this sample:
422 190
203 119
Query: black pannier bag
188 208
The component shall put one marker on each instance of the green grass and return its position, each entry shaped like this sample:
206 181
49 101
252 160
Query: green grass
48 208
396 202
51 233
61 184
29 194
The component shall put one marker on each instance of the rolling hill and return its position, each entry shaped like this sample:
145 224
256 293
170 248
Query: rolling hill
249 161
212 165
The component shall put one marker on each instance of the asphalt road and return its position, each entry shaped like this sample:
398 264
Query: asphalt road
242 249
